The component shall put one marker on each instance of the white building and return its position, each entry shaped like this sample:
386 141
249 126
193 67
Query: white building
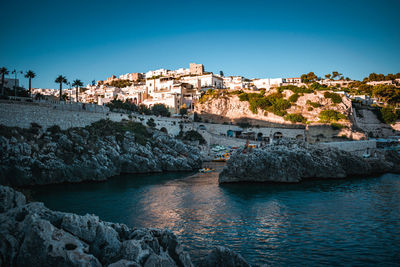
205 81
267 83
233 82
159 72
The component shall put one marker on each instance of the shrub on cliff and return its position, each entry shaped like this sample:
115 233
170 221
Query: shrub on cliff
295 89
54 129
193 136
331 116
337 126
294 117
318 87
293 98
119 105
336 98
313 104
388 115
151 123
244 97
160 110
118 129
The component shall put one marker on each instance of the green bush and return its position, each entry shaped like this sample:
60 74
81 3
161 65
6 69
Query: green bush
54 129
160 110
336 98
295 89
244 97
293 98
337 126
194 136
331 116
389 115
151 123
295 118
313 104
118 105
118 129
318 87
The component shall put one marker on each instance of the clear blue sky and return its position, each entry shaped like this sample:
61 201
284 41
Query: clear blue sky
95 39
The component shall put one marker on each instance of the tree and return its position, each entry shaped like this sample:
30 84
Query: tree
388 115
182 111
309 77
3 71
151 123
61 80
77 84
335 74
160 109
30 75
221 73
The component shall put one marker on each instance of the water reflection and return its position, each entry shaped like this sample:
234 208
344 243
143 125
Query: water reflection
335 222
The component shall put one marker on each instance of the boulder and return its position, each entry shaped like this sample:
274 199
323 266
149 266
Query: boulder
295 161
223 257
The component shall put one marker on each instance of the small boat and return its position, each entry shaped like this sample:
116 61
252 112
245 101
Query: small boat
219 160
366 155
205 170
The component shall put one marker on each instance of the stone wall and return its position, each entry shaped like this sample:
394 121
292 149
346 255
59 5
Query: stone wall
23 114
355 147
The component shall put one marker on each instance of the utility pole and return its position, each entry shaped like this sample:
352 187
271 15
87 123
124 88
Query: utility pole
15 72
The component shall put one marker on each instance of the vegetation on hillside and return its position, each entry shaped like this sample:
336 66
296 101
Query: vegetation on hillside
330 115
192 135
274 102
389 115
157 109
121 83
160 110
295 117
336 98
381 77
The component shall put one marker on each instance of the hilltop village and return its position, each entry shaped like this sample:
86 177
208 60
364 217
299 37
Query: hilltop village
226 109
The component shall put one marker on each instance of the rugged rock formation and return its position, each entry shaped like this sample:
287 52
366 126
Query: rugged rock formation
223 257
227 108
292 162
104 149
32 235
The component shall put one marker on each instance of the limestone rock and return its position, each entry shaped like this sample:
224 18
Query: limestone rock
76 155
294 161
223 257
32 235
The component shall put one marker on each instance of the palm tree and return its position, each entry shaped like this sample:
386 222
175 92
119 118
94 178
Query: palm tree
77 83
3 71
30 75
61 79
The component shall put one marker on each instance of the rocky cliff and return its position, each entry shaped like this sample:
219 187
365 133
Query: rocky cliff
32 235
295 161
96 152
228 107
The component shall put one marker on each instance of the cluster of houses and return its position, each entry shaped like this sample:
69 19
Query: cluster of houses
174 88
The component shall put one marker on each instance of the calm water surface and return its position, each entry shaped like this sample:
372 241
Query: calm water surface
335 222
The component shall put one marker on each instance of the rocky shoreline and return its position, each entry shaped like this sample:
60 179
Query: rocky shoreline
38 156
33 235
294 161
